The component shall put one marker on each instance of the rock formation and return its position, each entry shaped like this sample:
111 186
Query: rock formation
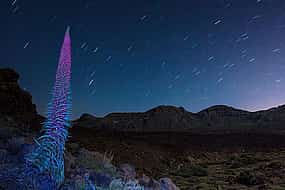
15 102
170 118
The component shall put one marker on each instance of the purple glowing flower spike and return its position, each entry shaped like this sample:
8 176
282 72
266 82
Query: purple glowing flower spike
48 156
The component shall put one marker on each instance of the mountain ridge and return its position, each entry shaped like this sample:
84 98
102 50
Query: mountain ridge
17 103
167 117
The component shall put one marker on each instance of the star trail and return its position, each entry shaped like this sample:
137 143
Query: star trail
135 55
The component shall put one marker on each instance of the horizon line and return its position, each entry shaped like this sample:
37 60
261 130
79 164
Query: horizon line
168 105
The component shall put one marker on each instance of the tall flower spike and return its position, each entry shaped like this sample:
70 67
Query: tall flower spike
48 156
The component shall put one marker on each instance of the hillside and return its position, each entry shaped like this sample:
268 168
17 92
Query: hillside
170 118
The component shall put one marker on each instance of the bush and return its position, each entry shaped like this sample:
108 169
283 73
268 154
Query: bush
193 170
95 161
119 184
248 179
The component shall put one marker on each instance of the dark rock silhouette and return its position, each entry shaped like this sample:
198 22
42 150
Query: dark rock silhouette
16 102
170 118
159 118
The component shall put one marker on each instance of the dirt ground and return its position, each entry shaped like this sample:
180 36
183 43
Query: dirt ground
199 159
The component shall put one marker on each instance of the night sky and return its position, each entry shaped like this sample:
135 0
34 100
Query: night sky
134 55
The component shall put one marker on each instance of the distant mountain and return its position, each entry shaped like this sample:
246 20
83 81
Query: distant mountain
225 116
17 103
170 118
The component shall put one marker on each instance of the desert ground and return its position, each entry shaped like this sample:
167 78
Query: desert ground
198 159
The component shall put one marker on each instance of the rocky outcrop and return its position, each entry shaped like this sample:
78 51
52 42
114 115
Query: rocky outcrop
162 118
170 118
225 116
274 117
88 120
159 118
15 102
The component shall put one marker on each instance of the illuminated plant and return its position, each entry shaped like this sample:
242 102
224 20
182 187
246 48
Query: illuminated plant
48 156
